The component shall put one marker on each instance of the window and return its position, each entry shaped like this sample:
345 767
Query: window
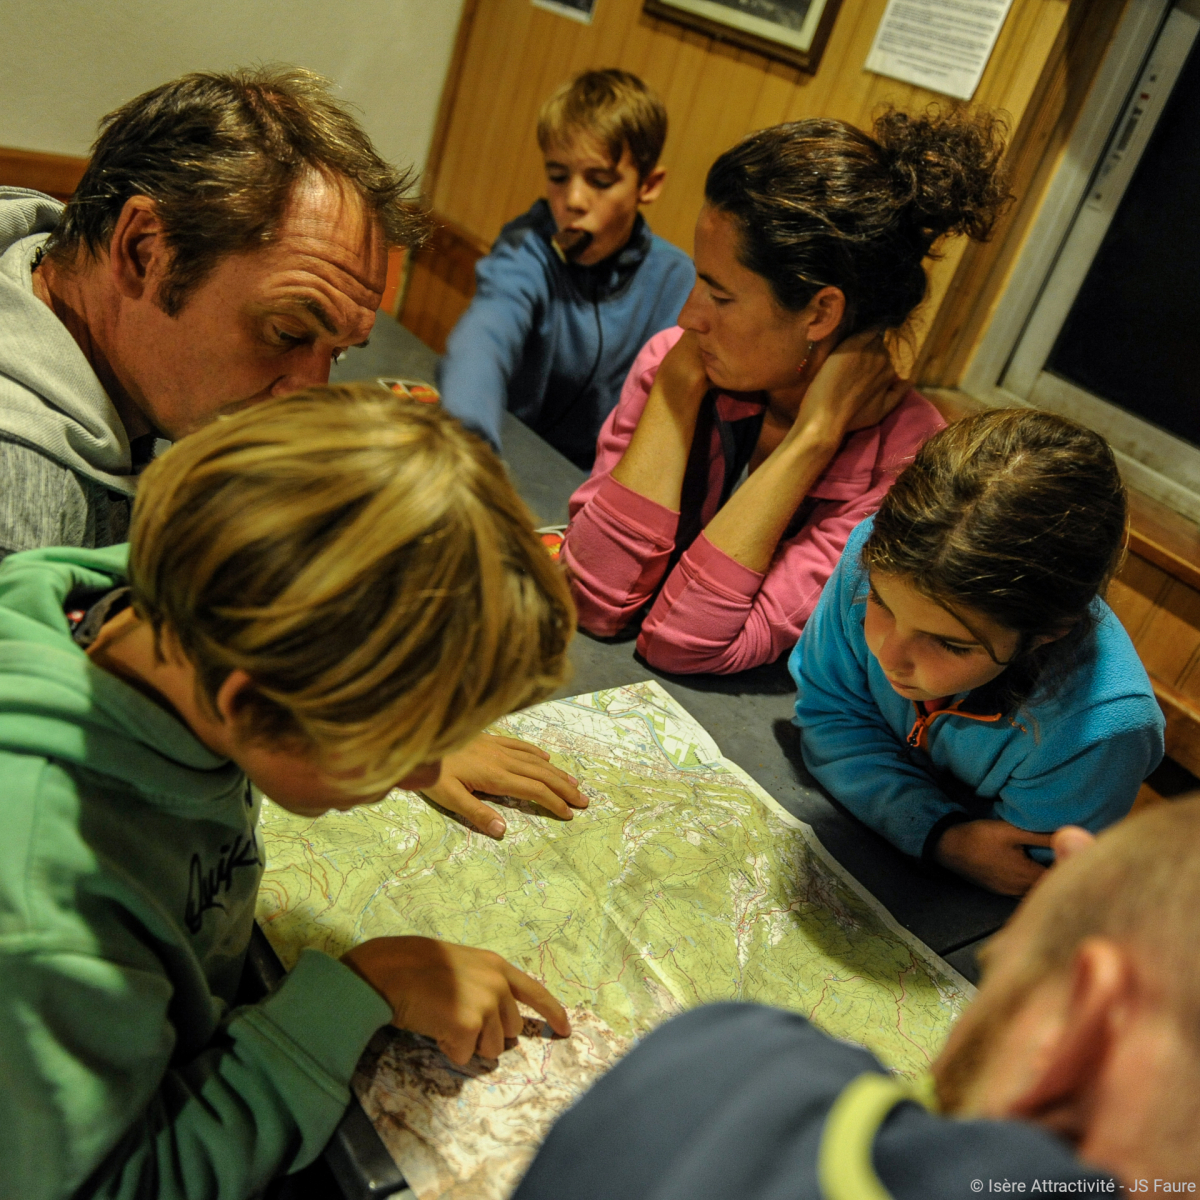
1102 320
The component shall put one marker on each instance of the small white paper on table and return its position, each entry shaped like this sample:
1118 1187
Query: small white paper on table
942 45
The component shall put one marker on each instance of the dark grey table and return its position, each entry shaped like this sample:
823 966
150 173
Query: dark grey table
749 716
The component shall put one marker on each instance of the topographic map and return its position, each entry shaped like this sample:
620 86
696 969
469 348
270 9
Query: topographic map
683 882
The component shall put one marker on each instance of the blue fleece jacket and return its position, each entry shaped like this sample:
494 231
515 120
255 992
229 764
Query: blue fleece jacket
1077 757
553 341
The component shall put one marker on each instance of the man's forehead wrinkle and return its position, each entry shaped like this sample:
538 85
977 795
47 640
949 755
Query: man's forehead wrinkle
321 315
329 284
323 256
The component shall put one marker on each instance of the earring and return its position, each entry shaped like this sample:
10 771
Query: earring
807 355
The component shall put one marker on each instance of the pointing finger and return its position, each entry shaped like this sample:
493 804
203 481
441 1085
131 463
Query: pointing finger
532 993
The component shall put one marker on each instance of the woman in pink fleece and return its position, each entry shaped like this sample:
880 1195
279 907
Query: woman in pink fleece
809 249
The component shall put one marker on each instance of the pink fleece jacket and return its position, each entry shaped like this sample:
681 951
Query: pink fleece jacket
712 613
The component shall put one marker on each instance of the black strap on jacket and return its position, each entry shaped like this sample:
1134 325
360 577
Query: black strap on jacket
738 439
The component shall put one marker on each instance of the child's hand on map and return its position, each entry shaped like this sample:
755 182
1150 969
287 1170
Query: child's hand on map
503 766
465 999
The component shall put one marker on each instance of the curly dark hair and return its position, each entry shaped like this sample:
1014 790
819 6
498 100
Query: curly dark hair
220 154
1016 514
819 203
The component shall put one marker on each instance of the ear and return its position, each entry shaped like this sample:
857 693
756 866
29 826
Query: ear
231 696
825 312
137 254
1071 1060
651 187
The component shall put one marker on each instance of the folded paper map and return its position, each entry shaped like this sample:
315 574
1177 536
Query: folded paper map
683 883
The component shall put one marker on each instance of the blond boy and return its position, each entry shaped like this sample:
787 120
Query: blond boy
576 286
324 596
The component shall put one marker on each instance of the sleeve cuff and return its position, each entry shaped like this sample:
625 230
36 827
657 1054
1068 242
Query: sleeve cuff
722 573
326 1008
655 520
929 848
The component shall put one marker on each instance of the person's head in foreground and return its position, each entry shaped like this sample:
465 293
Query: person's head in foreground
1087 1022
228 239
601 136
814 231
987 553
327 593
343 589
1075 1069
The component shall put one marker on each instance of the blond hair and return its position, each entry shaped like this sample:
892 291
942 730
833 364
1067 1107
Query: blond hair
614 107
368 564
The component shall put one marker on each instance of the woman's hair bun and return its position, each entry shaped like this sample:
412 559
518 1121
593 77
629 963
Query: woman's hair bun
820 203
946 168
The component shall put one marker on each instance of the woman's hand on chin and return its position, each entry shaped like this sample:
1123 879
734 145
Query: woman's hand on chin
855 387
682 379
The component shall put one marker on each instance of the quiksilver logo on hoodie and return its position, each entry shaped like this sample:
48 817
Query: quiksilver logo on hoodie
204 887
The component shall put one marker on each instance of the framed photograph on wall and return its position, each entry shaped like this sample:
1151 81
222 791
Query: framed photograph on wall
577 10
793 31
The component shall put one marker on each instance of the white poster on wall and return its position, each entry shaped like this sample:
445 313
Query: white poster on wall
942 45
577 10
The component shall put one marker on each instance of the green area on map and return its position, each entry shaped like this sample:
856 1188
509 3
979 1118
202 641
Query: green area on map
682 883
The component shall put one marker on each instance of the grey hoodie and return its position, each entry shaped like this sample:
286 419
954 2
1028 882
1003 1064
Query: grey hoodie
66 475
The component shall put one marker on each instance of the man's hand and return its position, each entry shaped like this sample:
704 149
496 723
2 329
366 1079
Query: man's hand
503 766
465 999
991 853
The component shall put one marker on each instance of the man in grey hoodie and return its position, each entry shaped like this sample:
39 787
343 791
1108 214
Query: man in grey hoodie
228 240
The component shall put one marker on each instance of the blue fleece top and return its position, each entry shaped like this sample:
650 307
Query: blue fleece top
553 341
1077 757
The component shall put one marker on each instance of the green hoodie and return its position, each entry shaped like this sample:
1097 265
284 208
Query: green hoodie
129 863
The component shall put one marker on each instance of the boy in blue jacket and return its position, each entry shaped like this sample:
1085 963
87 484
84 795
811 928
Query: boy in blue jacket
576 286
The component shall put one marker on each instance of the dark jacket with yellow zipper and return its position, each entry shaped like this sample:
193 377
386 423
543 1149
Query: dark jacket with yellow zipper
741 1102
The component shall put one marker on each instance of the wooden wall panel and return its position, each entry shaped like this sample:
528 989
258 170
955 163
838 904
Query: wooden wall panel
55 174
1136 593
441 283
1036 152
486 168
1162 617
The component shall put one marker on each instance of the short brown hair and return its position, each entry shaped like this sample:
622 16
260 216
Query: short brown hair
220 154
614 107
1139 885
366 561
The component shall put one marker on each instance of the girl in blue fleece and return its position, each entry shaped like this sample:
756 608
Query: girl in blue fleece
963 687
